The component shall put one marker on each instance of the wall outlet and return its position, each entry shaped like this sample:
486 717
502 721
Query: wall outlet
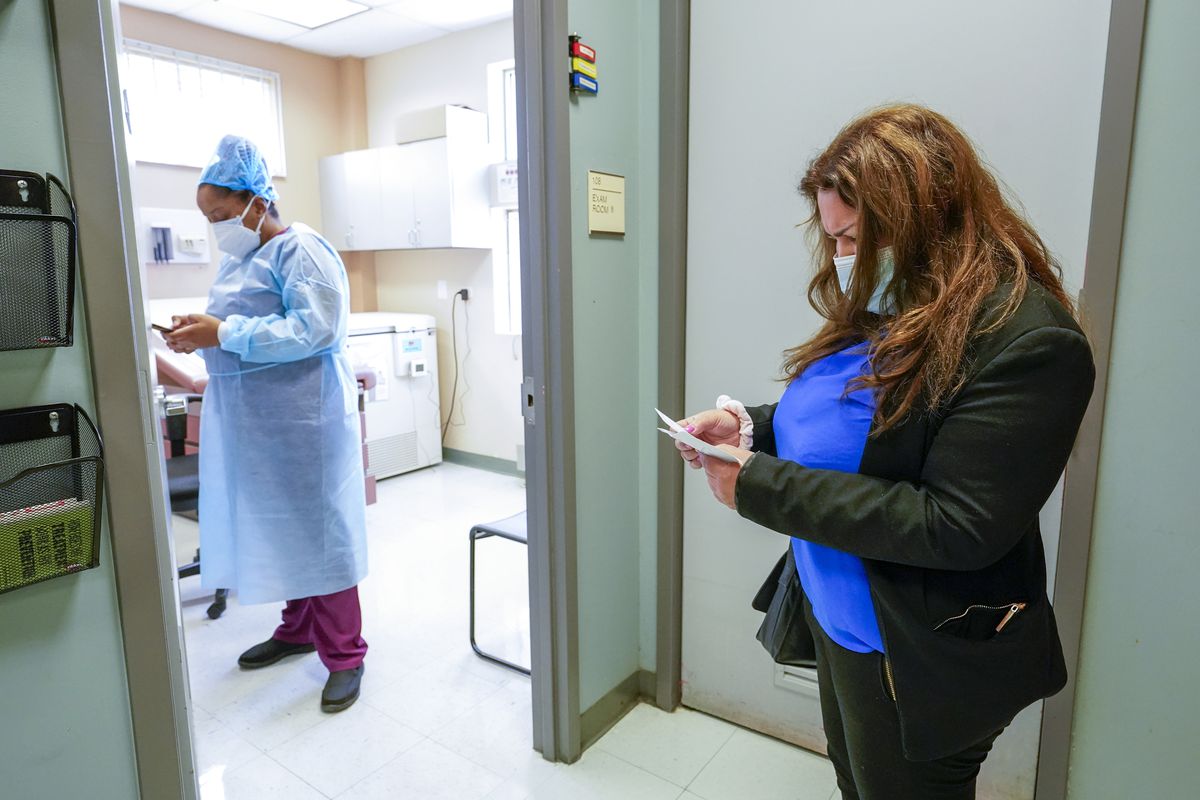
443 291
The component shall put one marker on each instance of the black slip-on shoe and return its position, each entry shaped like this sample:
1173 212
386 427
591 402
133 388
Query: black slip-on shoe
267 653
341 690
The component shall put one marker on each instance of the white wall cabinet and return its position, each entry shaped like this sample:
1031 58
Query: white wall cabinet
428 194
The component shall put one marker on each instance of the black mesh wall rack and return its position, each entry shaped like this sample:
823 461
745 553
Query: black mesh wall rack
51 494
37 261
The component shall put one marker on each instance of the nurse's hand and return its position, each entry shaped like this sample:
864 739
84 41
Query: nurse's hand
193 332
722 475
715 426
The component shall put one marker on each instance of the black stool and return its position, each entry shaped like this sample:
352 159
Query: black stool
513 529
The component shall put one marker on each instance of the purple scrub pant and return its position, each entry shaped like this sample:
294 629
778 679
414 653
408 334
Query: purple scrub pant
331 622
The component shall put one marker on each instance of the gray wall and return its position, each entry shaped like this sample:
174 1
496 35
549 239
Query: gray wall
1137 706
66 728
615 330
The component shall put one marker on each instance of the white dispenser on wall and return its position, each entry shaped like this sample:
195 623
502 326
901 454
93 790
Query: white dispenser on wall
503 179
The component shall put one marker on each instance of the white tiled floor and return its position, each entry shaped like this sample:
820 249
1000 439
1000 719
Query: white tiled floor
435 721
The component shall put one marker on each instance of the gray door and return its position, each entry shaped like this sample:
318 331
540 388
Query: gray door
771 83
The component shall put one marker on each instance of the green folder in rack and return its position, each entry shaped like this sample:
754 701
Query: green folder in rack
45 542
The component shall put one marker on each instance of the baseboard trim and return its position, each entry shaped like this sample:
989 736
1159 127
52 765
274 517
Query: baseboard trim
647 684
608 710
489 463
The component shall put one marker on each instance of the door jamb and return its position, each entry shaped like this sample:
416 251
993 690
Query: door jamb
675 34
548 400
86 48
1118 107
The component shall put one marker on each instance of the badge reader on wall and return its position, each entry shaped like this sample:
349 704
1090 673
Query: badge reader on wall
583 67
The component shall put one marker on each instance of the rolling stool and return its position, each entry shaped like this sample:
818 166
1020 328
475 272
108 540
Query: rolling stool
513 529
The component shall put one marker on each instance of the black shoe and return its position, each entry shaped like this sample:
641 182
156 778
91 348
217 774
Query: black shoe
270 651
341 690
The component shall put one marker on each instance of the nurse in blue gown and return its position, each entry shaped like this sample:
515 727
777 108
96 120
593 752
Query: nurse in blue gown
282 501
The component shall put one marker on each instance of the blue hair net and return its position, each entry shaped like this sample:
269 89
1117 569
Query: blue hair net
239 165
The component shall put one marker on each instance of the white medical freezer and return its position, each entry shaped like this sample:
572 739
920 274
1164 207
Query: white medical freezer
403 409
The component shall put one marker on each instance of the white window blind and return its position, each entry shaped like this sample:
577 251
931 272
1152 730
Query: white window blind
512 286
178 105
510 114
502 109
506 257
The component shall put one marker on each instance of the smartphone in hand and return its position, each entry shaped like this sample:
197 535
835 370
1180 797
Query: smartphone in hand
161 328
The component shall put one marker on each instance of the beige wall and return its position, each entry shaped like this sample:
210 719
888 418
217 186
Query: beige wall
324 112
451 70
445 71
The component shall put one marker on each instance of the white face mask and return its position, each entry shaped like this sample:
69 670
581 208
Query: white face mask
845 271
235 238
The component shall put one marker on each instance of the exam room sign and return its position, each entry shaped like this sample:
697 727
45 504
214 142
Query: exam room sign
606 203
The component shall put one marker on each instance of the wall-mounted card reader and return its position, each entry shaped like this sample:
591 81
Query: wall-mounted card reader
418 368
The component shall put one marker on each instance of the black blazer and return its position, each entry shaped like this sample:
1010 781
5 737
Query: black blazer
944 513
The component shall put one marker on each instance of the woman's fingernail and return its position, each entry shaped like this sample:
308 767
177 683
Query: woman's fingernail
691 428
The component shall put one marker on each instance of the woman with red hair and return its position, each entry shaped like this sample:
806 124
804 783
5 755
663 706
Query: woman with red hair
921 430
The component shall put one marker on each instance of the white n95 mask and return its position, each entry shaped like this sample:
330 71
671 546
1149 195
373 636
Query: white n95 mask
235 238
887 264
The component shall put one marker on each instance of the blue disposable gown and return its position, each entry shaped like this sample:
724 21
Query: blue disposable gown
282 503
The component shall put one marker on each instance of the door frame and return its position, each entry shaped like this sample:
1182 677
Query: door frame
1114 150
674 70
1097 298
548 398
85 42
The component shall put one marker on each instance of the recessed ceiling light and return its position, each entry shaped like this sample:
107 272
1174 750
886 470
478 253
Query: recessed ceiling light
306 13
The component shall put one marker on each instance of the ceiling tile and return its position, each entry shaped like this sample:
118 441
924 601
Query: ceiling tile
306 13
218 15
368 34
456 15
165 6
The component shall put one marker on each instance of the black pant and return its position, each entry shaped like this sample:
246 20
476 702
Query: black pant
863 730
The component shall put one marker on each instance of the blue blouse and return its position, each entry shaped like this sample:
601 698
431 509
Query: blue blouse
818 425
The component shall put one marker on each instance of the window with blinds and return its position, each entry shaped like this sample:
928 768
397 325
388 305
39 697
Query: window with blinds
178 105
510 114
506 258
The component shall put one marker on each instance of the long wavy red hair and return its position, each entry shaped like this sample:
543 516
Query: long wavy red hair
917 185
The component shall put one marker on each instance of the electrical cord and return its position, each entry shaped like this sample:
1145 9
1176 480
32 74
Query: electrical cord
454 398
454 345
466 378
